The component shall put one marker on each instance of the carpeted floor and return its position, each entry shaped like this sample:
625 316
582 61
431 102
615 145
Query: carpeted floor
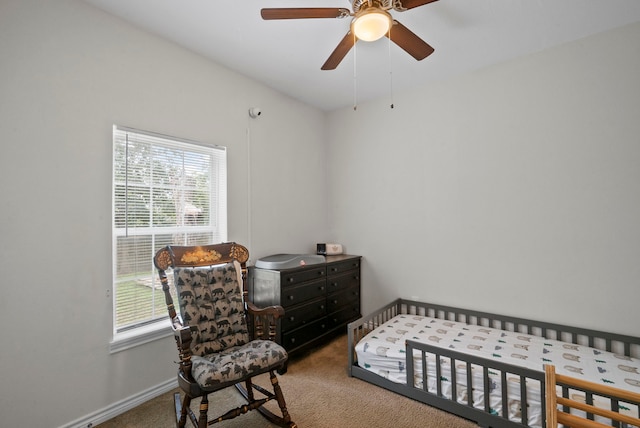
319 394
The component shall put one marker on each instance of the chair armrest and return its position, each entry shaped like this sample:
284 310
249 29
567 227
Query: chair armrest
183 333
263 321
183 336
273 311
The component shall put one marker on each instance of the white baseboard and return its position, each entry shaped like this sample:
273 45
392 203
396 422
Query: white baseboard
122 406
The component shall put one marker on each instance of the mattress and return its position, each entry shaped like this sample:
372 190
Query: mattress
382 351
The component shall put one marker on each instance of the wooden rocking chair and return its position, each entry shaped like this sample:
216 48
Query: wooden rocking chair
217 344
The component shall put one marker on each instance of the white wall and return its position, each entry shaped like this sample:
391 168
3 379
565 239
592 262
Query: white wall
514 189
68 72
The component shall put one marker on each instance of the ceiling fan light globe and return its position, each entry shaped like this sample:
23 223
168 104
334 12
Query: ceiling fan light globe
371 25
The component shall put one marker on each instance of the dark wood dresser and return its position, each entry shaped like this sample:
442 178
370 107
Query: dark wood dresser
319 300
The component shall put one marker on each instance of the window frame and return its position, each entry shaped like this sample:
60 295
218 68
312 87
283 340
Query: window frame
156 327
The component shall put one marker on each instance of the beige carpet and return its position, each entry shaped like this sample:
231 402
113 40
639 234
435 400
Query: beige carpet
319 394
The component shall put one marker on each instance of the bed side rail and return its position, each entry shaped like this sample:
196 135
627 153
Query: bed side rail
611 342
359 328
586 409
450 365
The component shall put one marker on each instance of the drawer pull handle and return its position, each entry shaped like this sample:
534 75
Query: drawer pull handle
321 288
291 297
293 340
321 306
292 318
335 301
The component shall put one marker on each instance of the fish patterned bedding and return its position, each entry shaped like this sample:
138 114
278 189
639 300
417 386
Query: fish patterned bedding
382 351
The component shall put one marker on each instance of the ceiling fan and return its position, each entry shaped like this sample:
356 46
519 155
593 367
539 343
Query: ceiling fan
371 20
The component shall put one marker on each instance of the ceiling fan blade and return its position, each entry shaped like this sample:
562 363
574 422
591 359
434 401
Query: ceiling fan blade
339 52
407 40
304 12
410 4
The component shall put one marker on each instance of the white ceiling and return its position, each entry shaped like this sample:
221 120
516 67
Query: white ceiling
287 54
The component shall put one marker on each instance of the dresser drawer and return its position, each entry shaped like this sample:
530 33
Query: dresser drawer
300 293
303 314
304 334
307 274
339 267
340 282
344 315
342 298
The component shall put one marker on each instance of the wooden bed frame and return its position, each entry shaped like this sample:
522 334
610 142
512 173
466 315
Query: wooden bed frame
620 344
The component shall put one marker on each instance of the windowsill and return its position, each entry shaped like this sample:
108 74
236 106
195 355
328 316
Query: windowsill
140 336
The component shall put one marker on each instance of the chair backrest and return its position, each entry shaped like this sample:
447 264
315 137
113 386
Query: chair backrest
615 399
208 281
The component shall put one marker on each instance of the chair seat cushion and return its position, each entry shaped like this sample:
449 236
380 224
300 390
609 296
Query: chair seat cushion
232 365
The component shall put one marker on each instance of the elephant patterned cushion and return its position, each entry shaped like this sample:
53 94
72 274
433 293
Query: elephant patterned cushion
226 367
211 303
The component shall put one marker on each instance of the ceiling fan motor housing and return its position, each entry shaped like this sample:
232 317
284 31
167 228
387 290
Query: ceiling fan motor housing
358 5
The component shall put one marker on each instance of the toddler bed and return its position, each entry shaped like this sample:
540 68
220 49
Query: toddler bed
490 368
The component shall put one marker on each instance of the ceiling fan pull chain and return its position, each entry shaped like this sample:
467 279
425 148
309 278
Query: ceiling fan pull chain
355 75
390 69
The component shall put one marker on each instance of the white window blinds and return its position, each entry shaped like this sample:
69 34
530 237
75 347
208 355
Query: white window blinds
166 191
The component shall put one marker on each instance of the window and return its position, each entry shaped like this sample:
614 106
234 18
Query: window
165 191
